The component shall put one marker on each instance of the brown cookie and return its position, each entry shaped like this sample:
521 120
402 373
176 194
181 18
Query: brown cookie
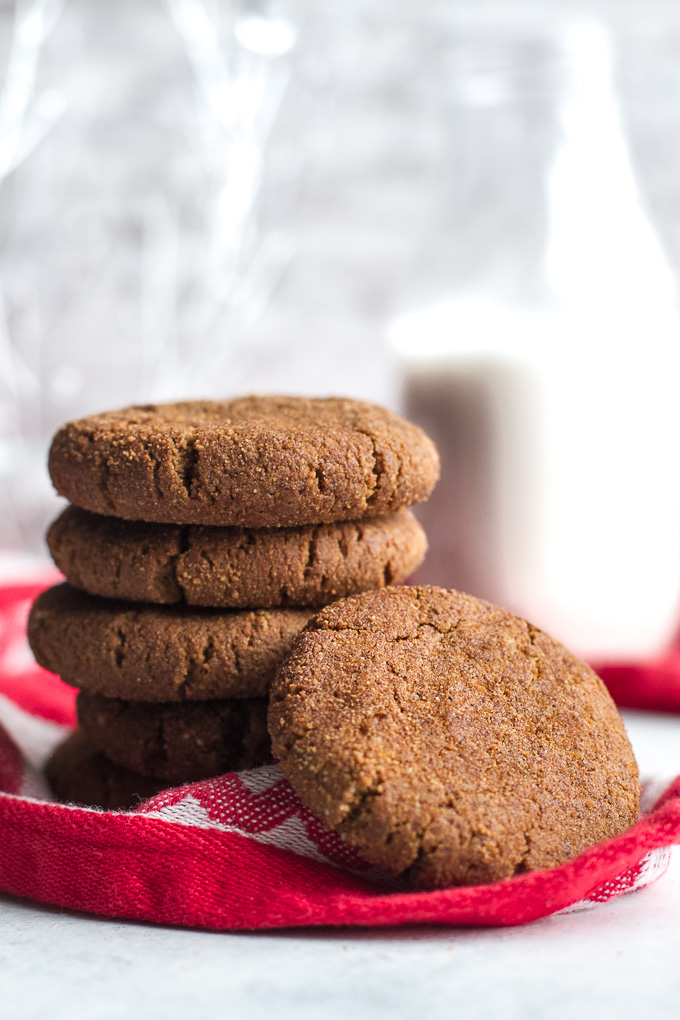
159 653
449 741
234 567
179 743
253 462
78 774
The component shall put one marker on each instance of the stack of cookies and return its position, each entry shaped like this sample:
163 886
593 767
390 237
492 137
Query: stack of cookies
200 540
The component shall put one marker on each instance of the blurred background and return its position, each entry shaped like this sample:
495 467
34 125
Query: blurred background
467 211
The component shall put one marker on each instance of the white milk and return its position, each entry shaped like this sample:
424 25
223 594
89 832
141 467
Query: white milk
560 489
548 368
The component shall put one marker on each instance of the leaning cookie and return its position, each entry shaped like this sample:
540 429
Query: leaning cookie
449 741
79 774
179 743
234 567
255 462
159 653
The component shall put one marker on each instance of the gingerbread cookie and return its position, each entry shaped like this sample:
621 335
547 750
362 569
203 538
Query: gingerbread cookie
449 741
179 743
159 653
252 462
79 774
234 567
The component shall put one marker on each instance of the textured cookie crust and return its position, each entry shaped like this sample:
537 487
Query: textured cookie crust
449 741
177 743
234 567
252 462
159 653
79 774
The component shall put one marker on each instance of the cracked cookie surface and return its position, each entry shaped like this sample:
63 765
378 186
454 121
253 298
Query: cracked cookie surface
159 653
252 462
234 567
178 743
449 741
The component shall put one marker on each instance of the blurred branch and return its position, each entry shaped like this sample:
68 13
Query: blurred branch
19 132
236 52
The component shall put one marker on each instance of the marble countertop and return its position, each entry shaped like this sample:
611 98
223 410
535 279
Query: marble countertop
617 960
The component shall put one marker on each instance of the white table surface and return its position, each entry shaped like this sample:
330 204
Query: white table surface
618 960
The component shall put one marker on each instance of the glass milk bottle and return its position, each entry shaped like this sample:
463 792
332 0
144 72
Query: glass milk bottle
540 344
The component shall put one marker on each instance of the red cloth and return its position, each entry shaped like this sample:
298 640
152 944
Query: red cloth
653 685
240 851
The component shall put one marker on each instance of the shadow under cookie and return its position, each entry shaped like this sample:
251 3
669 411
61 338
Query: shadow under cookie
80 774
179 743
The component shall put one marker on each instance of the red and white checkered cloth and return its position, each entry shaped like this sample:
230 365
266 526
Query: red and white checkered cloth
240 851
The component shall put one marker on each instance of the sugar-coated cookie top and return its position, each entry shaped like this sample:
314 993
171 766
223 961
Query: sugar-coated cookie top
447 740
253 461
